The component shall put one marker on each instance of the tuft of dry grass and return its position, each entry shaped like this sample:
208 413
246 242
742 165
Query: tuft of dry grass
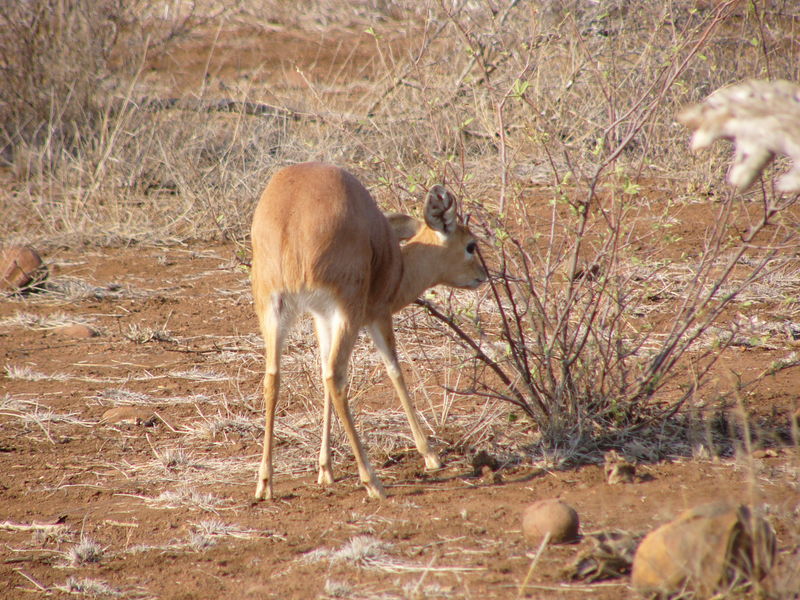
43 533
87 551
187 498
126 397
92 588
369 552
360 550
43 322
143 334
176 459
33 412
210 532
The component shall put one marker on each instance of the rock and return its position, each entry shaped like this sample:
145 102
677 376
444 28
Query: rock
133 415
550 516
77 331
486 466
609 555
20 267
617 469
704 550
483 460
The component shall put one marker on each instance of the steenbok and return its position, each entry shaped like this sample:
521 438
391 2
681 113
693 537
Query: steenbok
321 245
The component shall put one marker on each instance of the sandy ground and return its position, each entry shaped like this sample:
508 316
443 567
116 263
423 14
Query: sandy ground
159 505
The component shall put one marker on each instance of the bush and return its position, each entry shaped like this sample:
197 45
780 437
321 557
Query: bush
593 312
55 58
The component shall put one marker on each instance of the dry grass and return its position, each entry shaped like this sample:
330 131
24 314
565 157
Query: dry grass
43 322
125 397
85 552
65 290
91 588
212 531
187 498
368 552
515 110
142 334
560 78
32 412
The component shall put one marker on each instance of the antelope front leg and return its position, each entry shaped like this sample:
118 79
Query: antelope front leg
383 336
432 460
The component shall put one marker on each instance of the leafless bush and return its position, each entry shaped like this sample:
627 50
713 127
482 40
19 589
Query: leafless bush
575 300
54 58
584 347
61 62
69 125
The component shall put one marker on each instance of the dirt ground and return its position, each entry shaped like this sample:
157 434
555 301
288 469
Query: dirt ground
158 505
166 498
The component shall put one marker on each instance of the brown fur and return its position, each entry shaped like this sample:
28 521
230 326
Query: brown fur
321 244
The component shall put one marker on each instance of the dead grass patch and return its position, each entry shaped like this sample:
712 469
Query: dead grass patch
512 108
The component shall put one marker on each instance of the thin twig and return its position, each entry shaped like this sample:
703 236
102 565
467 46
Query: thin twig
41 587
534 562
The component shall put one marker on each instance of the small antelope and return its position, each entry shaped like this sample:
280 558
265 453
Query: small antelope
321 245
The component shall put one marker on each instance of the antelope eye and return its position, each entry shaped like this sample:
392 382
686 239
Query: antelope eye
471 247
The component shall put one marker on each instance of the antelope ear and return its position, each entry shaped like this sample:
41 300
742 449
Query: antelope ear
404 227
440 210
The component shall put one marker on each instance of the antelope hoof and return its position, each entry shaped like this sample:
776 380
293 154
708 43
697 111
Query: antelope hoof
375 490
263 491
433 462
325 476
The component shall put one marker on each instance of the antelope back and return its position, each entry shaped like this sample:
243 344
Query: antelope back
316 228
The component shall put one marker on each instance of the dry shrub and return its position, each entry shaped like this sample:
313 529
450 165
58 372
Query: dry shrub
325 14
578 296
55 61
67 74
495 99
62 60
